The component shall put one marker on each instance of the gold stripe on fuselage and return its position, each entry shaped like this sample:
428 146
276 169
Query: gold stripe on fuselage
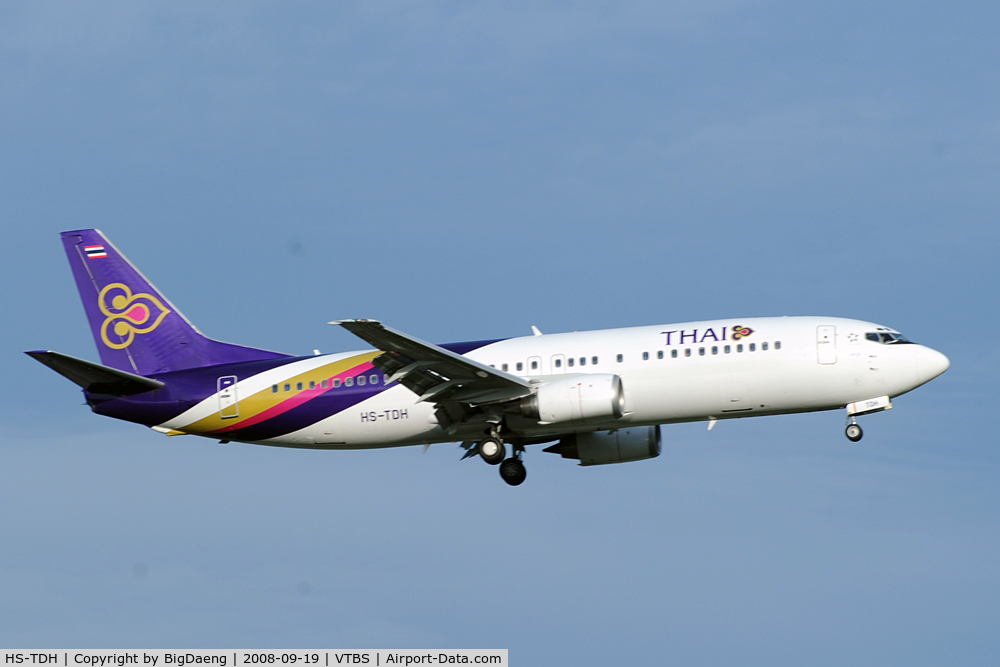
266 399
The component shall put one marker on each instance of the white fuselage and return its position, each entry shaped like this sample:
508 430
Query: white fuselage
670 373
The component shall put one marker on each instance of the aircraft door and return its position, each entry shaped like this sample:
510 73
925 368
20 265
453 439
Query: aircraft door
229 406
826 344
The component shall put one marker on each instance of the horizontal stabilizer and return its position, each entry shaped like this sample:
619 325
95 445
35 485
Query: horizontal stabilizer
95 378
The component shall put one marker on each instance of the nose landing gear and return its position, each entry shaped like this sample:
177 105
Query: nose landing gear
865 407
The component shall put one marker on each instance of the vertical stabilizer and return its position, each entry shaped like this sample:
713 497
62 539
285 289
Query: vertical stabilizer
135 327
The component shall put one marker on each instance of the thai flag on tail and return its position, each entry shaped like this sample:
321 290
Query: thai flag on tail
94 251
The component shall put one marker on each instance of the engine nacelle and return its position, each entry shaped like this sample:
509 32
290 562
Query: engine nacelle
576 398
619 446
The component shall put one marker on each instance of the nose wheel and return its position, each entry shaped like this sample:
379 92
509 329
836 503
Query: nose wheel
853 431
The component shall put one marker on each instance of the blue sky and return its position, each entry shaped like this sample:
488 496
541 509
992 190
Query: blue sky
464 172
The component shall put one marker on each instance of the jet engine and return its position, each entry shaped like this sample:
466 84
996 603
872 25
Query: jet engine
618 446
576 398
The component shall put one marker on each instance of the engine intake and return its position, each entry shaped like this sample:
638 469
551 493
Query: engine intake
603 447
576 398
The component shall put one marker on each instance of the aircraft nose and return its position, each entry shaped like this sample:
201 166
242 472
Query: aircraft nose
930 364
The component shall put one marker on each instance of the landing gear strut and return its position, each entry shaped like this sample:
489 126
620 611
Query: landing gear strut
853 431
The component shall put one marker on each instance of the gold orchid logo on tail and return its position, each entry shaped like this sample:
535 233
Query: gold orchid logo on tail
128 314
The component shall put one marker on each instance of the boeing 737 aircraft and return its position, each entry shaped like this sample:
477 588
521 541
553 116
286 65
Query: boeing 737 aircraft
598 396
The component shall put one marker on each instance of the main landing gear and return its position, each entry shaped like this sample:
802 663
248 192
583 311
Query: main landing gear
493 451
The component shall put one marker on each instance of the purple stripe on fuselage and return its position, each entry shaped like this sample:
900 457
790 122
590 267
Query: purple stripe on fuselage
325 405
185 389
330 403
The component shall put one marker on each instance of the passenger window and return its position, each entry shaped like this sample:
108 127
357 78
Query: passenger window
593 361
520 366
349 382
583 361
288 387
726 349
777 344
298 386
739 348
274 389
361 380
687 351
312 384
336 383
753 347
534 365
323 384
621 358
558 363
504 368
715 349
701 351
570 361
373 379
763 346
645 356
673 353
659 354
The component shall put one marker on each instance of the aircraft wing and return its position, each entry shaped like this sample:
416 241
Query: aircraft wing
432 372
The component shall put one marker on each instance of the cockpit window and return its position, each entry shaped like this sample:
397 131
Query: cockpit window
886 338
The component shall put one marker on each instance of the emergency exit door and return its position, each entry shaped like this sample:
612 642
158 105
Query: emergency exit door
826 344
229 406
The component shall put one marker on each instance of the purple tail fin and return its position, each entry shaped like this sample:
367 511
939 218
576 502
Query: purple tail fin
136 329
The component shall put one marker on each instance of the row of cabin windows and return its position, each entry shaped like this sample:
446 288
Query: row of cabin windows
726 349
362 380
336 383
571 361
519 366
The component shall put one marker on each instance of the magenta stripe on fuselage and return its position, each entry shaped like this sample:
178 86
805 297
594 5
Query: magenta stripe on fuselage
298 399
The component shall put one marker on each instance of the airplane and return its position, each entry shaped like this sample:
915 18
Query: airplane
597 397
